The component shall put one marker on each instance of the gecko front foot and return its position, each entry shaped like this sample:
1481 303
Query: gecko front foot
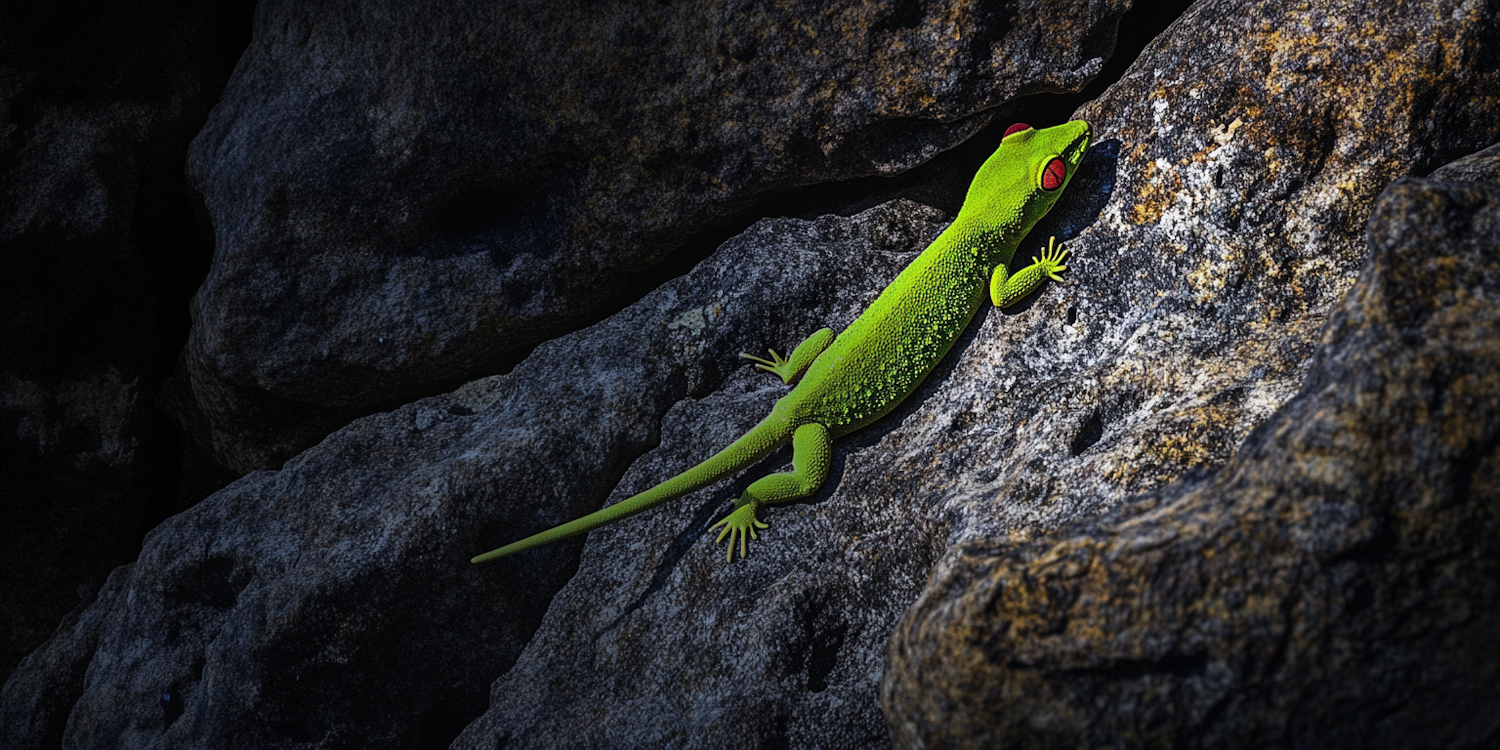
1051 261
740 525
776 365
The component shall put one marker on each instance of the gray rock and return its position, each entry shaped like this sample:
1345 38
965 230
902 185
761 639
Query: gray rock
1217 222
97 107
332 603
407 197
1337 584
1480 166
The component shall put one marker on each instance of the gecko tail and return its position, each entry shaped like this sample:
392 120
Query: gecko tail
762 440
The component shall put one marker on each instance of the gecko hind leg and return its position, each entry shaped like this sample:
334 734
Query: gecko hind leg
792 367
812 452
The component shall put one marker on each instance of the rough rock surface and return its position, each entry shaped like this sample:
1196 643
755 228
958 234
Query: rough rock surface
98 103
409 196
1336 585
1481 166
332 603
1219 218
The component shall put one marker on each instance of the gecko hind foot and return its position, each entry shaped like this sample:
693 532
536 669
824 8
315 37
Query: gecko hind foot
740 526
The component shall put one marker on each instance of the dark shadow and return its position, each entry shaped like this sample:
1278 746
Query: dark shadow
708 513
941 182
1087 194
823 644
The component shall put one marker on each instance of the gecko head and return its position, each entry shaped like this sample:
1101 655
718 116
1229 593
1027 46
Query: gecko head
1021 181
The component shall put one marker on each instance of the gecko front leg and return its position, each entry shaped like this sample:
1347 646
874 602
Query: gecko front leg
791 368
1007 289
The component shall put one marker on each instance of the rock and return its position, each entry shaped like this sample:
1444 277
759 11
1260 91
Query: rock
1337 584
37 699
407 197
1217 222
333 601
1480 166
97 248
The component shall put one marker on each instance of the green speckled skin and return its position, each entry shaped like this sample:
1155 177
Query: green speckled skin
855 378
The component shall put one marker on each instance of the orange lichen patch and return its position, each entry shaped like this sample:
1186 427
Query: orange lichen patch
1212 273
1187 438
1133 477
1440 274
1264 345
1192 438
1158 191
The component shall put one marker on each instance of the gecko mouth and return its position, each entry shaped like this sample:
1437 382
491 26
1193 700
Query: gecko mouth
1074 152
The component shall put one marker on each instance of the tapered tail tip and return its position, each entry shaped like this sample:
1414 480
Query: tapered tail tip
488 556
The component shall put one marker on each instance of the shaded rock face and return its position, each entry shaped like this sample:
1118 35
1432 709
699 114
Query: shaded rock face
406 197
1481 166
1336 585
98 246
1219 219
332 603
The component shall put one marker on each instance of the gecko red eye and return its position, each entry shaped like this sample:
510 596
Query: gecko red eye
1016 128
1054 174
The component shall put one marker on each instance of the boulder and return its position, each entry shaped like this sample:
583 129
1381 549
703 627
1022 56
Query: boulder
333 602
1216 225
410 196
1336 584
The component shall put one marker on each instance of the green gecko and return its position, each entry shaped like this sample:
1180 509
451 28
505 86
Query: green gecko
850 380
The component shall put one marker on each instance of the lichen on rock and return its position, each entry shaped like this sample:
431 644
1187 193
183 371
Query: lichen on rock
1337 584
1218 223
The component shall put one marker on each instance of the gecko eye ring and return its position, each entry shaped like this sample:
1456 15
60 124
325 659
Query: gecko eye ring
1054 174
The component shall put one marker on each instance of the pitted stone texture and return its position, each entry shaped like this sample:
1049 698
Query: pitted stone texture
1336 585
1182 326
332 603
408 196
1138 372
